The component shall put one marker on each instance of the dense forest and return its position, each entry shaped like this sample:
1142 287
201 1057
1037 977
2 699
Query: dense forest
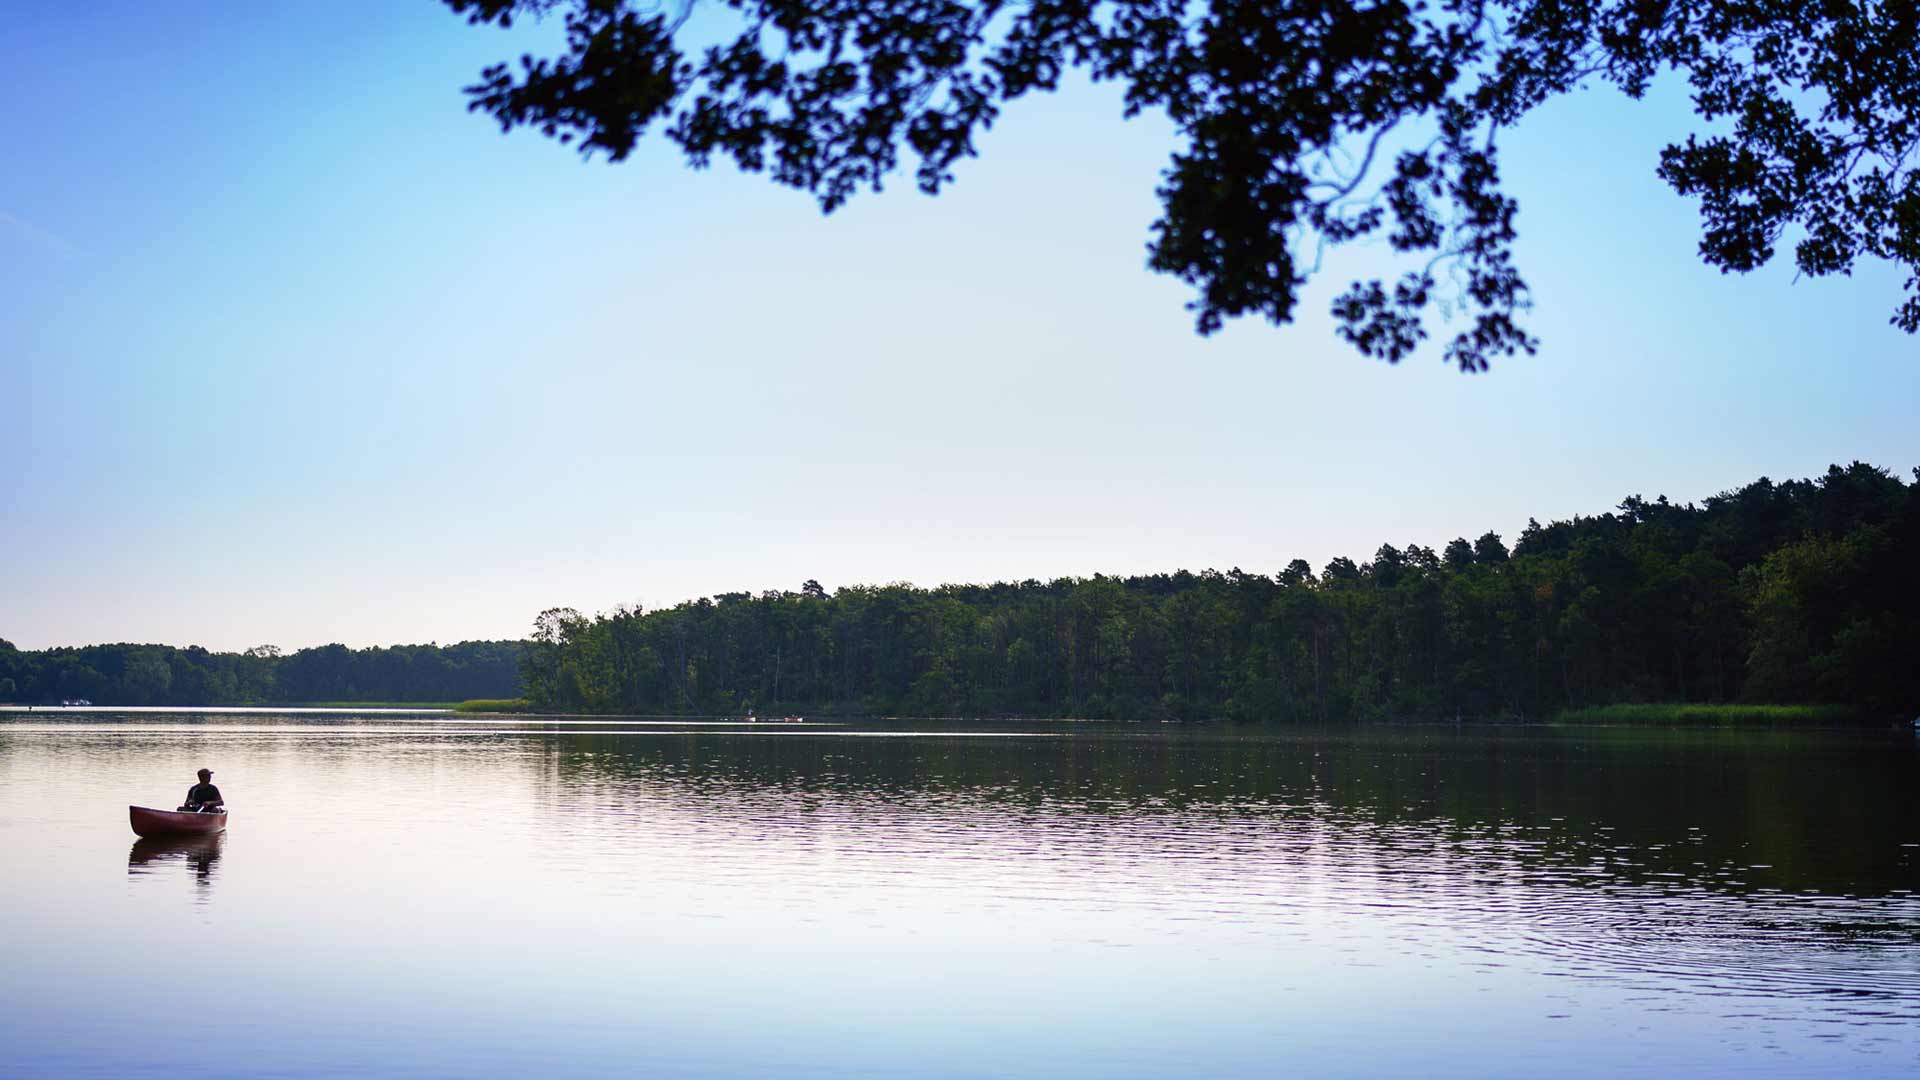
1800 592
1806 591
164 675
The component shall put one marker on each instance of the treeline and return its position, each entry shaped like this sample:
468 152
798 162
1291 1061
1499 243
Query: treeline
164 675
1799 592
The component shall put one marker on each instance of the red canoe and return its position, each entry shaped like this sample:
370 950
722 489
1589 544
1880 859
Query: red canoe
148 822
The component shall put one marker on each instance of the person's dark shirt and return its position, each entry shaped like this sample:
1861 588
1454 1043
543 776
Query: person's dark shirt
203 794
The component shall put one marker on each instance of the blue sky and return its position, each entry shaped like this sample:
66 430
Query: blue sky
293 349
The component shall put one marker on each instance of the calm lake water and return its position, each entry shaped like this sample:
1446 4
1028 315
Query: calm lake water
414 896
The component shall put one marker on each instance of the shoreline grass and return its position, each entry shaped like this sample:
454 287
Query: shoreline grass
360 705
1675 713
492 705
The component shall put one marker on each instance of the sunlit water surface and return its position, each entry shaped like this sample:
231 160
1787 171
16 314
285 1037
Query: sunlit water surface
437 896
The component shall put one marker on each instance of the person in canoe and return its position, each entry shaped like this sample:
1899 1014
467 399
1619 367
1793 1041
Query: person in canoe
203 797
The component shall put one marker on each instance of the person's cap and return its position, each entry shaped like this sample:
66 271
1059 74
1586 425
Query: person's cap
206 772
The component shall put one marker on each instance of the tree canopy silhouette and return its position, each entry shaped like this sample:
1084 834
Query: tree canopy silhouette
1306 123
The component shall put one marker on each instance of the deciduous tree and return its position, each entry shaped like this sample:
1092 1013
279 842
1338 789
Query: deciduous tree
1301 123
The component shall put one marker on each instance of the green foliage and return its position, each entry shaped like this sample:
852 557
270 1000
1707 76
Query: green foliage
366 704
1708 714
1804 592
335 674
1799 592
1299 125
493 705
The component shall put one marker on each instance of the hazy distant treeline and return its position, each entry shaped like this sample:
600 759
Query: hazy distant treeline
1805 591
164 675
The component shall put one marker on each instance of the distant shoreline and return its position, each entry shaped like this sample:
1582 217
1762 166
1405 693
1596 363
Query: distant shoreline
1658 714
388 708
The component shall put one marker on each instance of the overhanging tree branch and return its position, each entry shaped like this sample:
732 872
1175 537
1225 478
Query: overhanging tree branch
824 95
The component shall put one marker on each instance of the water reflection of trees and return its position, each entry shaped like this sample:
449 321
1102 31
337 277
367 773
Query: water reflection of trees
1731 811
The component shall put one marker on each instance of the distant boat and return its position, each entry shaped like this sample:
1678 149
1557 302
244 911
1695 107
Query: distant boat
150 822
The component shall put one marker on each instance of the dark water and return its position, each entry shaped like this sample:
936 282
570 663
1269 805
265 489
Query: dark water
415 897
